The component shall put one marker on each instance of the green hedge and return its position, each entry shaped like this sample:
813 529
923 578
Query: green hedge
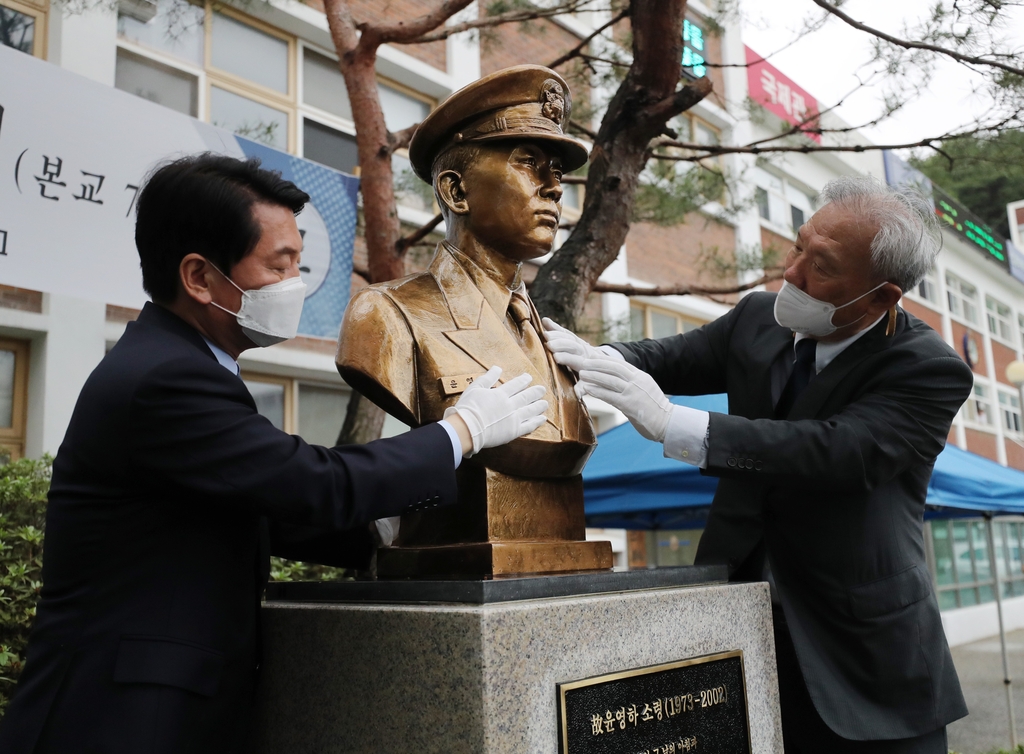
23 488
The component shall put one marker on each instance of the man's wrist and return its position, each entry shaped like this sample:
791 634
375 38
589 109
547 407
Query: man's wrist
461 431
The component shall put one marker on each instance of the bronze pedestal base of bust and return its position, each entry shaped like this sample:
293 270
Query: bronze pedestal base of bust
501 525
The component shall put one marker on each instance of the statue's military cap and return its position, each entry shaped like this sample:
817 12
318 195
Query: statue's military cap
522 102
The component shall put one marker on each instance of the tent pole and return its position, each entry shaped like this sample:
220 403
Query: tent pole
1007 682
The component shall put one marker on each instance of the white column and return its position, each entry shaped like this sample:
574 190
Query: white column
463 50
86 42
61 361
748 221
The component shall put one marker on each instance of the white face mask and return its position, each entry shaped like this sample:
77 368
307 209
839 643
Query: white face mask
270 314
805 314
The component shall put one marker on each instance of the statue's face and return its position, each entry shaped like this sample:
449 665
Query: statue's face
514 194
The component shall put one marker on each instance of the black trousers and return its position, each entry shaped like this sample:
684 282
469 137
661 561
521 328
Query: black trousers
803 730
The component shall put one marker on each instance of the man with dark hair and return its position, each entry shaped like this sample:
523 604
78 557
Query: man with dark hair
170 491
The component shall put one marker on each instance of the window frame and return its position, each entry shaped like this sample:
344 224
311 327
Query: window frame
290 394
40 11
971 407
1007 321
1008 407
962 297
931 279
681 319
13 438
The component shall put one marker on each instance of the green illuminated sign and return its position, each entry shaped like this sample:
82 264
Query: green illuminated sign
960 220
693 51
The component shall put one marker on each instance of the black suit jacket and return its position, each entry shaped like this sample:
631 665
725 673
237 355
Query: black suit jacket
146 633
836 492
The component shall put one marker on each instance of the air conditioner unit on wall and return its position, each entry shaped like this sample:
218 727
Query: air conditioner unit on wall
140 10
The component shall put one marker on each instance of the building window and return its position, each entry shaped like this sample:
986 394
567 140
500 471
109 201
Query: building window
779 202
761 197
651 322
927 289
312 411
259 82
1009 409
999 319
23 26
159 83
13 396
962 565
797 216
979 407
962 298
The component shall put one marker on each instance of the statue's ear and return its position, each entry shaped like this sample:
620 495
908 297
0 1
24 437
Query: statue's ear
451 192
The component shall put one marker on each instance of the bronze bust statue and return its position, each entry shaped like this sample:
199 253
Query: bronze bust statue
494 152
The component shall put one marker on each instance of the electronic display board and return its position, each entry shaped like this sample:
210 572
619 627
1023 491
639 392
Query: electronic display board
694 62
959 220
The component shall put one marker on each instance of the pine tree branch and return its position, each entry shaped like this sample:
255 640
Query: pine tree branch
910 45
588 39
684 290
498 19
406 32
407 242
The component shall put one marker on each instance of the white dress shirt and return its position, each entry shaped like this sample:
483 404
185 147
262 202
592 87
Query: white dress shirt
686 437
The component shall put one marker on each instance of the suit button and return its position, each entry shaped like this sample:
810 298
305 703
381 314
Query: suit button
731 462
750 463
758 465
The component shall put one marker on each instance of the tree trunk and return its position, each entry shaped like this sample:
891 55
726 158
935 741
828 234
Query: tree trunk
363 421
639 111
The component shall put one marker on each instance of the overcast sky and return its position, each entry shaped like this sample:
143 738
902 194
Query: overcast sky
826 62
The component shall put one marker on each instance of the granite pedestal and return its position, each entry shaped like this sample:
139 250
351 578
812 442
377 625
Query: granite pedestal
460 667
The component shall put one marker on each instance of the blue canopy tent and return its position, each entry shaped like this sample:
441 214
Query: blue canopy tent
629 484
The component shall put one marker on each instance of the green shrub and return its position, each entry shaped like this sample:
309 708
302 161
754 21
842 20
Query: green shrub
23 487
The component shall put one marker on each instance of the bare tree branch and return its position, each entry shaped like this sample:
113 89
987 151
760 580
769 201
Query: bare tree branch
405 32
497 19
361 272
909 45
684 290
588 39
583 129
403 244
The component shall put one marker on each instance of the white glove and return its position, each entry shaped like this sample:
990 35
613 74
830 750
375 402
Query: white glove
633 392
567 348
497 415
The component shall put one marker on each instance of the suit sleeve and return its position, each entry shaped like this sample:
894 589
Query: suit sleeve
902 421
692 363
347 549
194 431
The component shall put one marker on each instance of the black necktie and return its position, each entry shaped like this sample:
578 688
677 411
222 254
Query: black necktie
803 370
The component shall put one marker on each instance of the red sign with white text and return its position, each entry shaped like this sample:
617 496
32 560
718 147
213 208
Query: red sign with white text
777 93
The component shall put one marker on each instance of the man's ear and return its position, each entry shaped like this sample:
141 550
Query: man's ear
889 295
194 274
451 193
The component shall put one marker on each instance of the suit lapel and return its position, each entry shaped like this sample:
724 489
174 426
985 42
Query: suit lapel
479 332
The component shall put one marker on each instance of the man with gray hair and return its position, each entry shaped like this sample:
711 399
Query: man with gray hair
839 402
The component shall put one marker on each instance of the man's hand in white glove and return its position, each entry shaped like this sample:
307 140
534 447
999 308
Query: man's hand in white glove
497 415
569 349
633 392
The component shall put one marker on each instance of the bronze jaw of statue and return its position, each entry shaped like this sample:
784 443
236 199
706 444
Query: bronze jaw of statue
495 153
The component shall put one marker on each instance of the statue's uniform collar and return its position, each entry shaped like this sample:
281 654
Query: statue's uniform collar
496 293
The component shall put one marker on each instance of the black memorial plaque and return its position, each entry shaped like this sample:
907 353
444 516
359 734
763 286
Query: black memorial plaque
695 705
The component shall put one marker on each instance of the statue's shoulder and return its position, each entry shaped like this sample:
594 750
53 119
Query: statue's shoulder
413 290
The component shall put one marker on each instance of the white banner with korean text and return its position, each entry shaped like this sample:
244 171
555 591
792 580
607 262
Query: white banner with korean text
73 154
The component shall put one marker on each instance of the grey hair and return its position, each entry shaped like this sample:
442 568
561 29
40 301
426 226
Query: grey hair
908 238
